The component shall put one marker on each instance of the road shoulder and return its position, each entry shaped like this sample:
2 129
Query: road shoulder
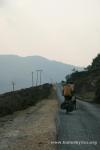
33 128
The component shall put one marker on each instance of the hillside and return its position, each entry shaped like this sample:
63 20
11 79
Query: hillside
19 70
87 83
22 99
31 129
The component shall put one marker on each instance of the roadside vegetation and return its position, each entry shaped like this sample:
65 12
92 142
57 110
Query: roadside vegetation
87 82
21 99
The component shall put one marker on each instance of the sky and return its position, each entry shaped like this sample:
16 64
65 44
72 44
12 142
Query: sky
62 30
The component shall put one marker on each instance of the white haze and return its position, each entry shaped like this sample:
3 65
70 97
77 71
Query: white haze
64 30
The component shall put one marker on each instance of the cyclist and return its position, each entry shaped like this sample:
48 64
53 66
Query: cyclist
68 93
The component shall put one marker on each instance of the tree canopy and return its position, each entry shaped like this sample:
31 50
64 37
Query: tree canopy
95 64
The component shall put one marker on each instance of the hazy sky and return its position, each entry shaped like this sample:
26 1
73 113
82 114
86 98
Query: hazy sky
64 30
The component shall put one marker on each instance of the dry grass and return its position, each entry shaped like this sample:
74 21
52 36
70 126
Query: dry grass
31 129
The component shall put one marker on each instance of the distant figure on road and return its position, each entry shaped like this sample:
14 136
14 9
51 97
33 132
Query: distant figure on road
68 93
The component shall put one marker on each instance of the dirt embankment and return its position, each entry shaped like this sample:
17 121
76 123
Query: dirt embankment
31 129
22 99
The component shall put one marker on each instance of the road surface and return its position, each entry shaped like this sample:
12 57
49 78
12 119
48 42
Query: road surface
80 129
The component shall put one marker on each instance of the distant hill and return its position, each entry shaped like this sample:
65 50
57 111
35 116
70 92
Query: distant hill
19 70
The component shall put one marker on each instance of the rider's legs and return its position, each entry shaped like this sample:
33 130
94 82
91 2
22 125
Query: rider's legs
68 100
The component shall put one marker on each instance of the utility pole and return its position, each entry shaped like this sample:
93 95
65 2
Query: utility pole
40 76
37 77
13 86
32 80
39 73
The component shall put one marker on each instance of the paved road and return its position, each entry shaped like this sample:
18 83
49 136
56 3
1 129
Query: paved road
82 125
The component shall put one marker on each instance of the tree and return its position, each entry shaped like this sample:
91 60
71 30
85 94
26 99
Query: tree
95 64
67 77
97 92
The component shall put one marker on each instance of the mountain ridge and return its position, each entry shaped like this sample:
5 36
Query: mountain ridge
19 69
41 57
